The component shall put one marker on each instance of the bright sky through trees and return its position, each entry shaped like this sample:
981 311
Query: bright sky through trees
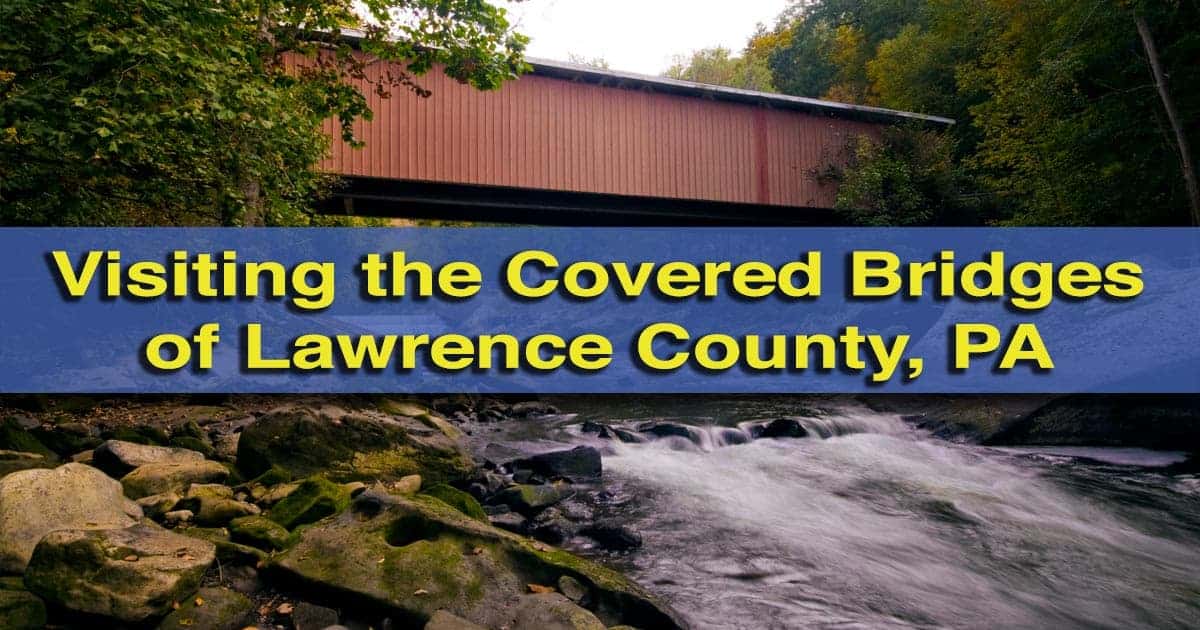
638 35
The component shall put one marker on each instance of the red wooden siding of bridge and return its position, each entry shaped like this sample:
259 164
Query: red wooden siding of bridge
601 133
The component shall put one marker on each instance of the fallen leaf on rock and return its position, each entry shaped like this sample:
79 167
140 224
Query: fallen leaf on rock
284 609
538 588
131 558
420 591
199 601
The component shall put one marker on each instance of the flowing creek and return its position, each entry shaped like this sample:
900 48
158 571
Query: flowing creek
875 524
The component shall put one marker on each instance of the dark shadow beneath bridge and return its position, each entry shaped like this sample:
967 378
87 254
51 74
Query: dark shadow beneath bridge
388 198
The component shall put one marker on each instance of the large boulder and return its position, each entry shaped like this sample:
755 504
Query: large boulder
175 477
119 458
128 574
581 463
73 496
417 555
350 445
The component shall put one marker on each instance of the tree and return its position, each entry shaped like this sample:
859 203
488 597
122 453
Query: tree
906 176
599 63
1186 165
718 66
1070 112
190 111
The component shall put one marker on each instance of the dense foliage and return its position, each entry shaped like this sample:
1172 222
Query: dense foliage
1060 117
719 66
150 112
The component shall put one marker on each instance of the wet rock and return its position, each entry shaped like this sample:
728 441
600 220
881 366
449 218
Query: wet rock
667 429
627 436
72 496
528 499
442 620
211 609
592 427
20 609
213 504
458 500
418 556
359 445
119 458
581 463
156 506
613 536
782 428
306 616
551 526
532 408
552 611
129 574
314 499
258 531
175 477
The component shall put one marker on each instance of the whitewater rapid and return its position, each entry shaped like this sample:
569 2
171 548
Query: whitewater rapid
869 523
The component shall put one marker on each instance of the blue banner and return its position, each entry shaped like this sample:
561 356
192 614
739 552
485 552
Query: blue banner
545 310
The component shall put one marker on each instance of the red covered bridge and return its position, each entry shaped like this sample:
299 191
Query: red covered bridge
568 144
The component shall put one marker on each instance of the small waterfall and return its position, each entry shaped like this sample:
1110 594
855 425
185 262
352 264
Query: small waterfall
679 435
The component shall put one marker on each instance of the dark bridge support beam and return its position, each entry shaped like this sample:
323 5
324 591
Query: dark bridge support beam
376 197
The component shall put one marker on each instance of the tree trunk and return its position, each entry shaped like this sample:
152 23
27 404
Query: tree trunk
1181 142
252 197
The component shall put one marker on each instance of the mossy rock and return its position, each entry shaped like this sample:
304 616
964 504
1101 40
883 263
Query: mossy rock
14 461
274 475
345 445
211 609
259 531
65 443
15 438
193 444
417 555
458 500
141 434
20 609
529 499
315 499
227 550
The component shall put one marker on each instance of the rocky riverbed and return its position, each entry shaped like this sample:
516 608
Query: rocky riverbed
294 513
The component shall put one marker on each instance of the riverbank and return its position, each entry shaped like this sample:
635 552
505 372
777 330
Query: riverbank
284 512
